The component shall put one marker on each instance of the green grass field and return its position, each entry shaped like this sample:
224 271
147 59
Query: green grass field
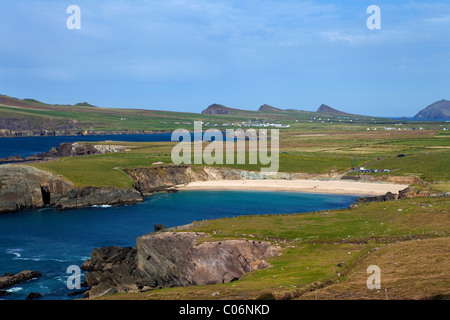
315 243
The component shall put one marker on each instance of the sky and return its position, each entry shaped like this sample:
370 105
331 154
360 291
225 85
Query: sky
183 55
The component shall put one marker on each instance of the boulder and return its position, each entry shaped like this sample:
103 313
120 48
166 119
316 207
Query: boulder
33 295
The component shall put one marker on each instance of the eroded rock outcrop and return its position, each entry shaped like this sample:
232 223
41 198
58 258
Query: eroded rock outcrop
162 178
10 279
75 149
25 187
169 259
409 192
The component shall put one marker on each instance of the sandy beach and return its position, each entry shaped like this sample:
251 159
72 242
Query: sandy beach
309 186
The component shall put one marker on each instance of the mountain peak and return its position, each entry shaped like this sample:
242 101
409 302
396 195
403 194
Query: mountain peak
219 109
440 110
327 109
268 108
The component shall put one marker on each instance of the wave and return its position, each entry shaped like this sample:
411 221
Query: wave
14 289
15 252
102 206
18 256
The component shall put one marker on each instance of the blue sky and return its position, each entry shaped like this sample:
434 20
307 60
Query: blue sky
182 55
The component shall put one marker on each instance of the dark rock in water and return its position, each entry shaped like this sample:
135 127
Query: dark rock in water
9 279
111 267
33 295
160 227
76 293
169 259
90 196
4 293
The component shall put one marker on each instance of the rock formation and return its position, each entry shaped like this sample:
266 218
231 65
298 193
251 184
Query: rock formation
168 259
409 192
25 187
162 178
10 279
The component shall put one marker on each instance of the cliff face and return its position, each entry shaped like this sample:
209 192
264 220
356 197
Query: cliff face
161 178
22 187
25 187
169 259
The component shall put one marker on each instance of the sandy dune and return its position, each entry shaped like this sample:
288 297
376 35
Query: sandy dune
311 186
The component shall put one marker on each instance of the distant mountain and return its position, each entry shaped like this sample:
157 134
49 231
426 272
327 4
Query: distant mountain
219 109
269 108
440 110
329 110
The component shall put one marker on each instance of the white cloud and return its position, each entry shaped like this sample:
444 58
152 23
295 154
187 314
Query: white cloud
441 19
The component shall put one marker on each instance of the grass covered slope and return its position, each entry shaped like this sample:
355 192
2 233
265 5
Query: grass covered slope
29 114
314 244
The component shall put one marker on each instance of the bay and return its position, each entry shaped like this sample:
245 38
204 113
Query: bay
27 146
49 240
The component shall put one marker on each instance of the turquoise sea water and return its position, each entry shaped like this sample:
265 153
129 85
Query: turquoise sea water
49 241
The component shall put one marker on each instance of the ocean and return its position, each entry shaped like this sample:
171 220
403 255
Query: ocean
27 146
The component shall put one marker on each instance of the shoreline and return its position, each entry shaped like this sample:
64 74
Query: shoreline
76 133
299 185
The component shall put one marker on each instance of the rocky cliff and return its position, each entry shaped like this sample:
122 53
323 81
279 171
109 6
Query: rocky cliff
169 259
11 279
162 178
25 187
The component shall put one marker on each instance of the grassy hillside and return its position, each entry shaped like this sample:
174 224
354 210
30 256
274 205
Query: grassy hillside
398 236
37 115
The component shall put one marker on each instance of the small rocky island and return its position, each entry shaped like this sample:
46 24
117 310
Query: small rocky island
10 279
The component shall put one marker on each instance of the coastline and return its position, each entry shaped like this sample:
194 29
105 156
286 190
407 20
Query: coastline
299 185
7 133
